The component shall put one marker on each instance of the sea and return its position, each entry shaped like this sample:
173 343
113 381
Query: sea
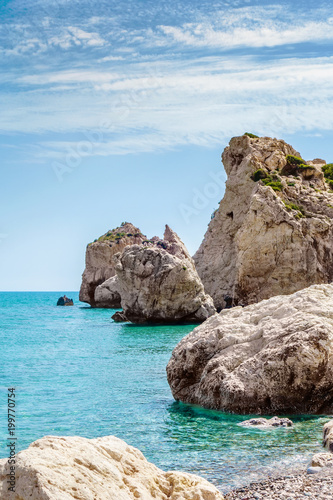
76 372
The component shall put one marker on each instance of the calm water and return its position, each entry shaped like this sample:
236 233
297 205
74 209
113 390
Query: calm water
78 373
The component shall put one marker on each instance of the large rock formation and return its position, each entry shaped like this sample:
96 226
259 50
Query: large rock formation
68 468
158 283
267 358
273 231
100 265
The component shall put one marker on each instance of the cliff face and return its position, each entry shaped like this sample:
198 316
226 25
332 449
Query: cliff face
158 282
99 260
273 231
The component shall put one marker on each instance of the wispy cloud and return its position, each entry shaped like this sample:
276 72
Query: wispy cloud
206 35
166 85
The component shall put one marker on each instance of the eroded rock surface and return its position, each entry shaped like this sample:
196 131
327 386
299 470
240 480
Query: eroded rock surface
328 436
273 231
266 358
322 460
159 283
100 264
68 468
107 294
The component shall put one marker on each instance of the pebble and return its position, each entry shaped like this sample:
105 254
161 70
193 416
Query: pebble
316 486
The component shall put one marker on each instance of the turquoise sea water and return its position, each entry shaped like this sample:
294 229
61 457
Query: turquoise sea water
78 373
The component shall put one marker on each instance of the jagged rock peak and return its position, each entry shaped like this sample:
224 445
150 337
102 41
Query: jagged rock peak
273 231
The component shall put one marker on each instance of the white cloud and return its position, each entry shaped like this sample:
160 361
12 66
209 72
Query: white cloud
206 35
76 36
111 58
201 104
170 97
69 76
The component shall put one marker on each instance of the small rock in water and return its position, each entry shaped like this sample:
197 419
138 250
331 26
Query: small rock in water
119 317
264 422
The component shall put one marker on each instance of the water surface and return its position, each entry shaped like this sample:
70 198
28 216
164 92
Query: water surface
78 373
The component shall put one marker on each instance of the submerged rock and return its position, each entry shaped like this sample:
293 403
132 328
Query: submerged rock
266 423
159 283
266 358
273 231
100 264
65 468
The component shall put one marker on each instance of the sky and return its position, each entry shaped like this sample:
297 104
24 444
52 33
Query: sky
119 111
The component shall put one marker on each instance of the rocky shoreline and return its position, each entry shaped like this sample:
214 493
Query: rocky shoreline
260 284
299 486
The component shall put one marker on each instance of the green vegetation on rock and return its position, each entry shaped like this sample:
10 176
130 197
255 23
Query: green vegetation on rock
328 174
272 181
292 206
252 136
276 185
259 174
114 235
294 160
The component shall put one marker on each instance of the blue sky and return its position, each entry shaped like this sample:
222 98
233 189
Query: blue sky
114 111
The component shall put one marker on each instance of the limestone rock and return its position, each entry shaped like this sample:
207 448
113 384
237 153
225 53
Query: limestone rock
273 231
159 283
267 423
100 264
107 294
322 460
68 468
266 358
328 436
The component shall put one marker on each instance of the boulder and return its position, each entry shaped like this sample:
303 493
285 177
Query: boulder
107 294
119 317
322 460
265 423
159 283
325 459
266 358
68 468
328 436
273 231
100 263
